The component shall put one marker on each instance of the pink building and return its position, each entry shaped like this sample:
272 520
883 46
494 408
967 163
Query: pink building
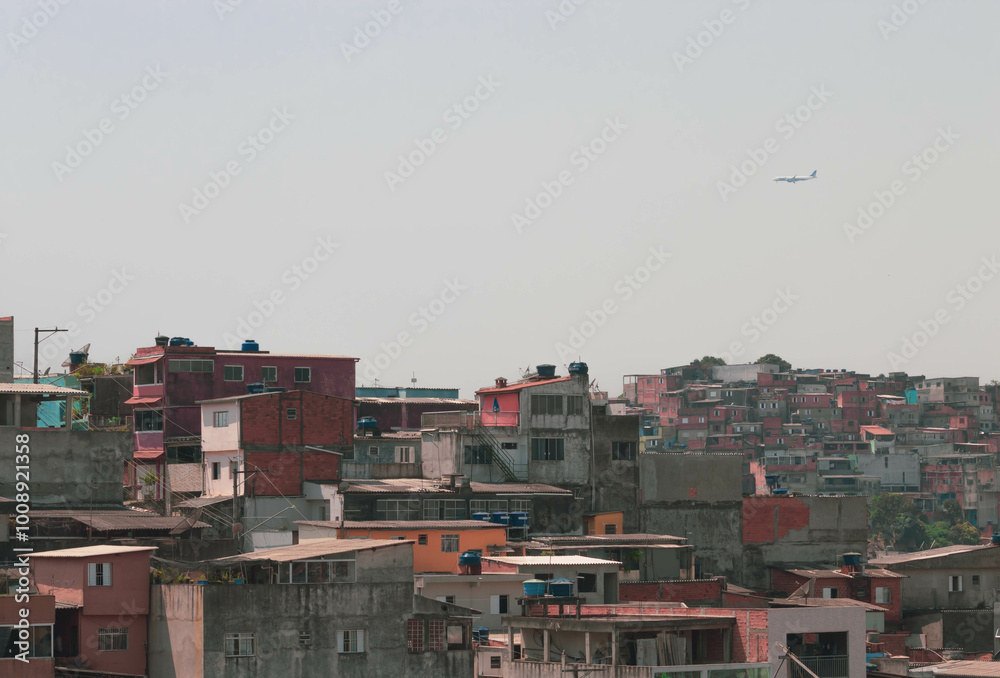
40 620
102 604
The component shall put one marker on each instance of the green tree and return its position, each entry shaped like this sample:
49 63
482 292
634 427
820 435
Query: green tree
952 511
911 534
886 512
708 361
938 534
783 365
964 533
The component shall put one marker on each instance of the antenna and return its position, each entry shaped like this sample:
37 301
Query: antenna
413 380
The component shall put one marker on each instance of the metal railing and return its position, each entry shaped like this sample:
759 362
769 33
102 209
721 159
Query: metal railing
470 420
831 666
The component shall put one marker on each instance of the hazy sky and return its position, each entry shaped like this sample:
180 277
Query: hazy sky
286 119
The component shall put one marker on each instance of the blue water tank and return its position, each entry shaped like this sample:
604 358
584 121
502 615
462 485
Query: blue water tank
560 587
534 587
500 518
995 539
176 341
853 559
274 389
77 357
481 515
780 491
480 635
255 387
578 368
188 342
367 423
546 371
518 518
470 558
250 345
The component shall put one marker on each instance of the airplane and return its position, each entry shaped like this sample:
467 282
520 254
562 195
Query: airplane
792 179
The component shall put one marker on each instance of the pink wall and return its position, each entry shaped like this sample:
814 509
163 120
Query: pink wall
41 610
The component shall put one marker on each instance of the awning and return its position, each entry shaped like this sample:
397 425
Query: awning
144 361
147 455
146 401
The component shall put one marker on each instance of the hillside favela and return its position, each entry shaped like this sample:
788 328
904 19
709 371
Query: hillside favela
198 511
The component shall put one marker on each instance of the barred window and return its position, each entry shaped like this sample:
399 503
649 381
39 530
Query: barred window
239 644
574 405
449 543
350 641
415 635
112 639
623 451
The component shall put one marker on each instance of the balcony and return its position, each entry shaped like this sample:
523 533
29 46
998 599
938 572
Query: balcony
830 666
470 420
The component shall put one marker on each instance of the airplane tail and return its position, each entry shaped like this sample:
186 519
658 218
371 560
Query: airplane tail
813 174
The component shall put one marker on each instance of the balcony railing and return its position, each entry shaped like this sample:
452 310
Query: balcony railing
469 420
831 666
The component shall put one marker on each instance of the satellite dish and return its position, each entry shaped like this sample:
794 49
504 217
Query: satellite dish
237 528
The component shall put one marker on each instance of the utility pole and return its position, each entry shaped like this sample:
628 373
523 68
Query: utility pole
51 332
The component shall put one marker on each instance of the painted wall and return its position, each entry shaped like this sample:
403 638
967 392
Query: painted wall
223 438
41 611
782 622
429 557
177 631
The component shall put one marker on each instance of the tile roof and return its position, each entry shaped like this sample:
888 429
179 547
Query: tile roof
928 554
92 551
402 524
550 560
39 389
309 549
115 521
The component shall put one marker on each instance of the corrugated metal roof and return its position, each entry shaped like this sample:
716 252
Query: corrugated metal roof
550 560
266 354
112 521
310 549
516 488
144 361
928 554
371 400
39 389
92 551
199 502
874 572
403 524
958 669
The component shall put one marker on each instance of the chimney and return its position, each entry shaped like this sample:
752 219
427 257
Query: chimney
501 382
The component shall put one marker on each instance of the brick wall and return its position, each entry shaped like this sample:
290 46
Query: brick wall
673 591
317 420
768 519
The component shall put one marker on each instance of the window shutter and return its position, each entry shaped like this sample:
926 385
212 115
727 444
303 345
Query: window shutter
107 574
494 604
361 641
91 574
340 640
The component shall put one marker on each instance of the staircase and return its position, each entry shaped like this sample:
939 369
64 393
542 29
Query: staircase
501 459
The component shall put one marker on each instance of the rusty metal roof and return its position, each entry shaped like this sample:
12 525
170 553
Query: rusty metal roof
93 551
314 548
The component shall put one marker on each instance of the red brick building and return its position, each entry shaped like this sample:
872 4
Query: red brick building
875 586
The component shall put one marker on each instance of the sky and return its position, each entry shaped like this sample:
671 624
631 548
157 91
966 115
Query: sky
458 191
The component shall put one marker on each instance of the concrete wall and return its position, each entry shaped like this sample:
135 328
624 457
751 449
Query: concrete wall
6 350
899 472
69 469
475 591
616 481
176 631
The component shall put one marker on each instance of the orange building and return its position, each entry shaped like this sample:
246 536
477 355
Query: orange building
607 522
437 544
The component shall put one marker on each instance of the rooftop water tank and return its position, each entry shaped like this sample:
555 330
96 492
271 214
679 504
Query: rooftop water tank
470 558
77 357
162 340
274 389
176 341
780 491
578 368
500 518
562 588
995 539
481 515
853 559
367 423
188 342
518 519
546 371
255 387
534 587
250 345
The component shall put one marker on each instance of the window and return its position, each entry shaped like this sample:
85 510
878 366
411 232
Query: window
216 470
522 505
232 373
955 583
586 583
623 451
415 635
351 641
449 543
421 540
373 451
498 604
404 455
436 635
303 375
291 413
98 574
191 365
305 640
610 528
478 454
547 449
508 446
546 404
684 420
317 572
975 580
349 454
269 375
830 593
447 599
488 505
883 595
148 420
444 509
397 509
220 419
109 640
574 405
494 661
39 641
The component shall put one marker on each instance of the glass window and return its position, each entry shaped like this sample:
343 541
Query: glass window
546 404
233 373
449 543
547 449
574 405
109 640
148 420
239 644
269 375
350 641
99 574
624 451
303 375
397 509
220 419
